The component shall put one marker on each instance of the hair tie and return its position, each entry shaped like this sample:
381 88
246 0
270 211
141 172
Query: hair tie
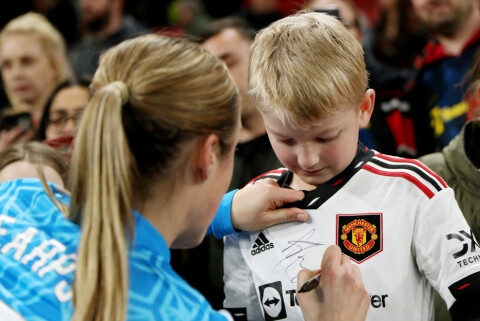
123 89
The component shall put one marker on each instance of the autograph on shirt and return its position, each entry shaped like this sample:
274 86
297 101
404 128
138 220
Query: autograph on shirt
295 253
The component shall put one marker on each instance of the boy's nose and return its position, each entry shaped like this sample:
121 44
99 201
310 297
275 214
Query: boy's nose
307 159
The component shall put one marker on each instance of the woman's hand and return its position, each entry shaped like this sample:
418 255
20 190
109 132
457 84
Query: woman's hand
340 295
254 207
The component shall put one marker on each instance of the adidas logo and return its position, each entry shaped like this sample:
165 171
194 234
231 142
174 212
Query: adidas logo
261 244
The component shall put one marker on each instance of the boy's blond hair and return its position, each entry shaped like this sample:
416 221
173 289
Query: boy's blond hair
305 66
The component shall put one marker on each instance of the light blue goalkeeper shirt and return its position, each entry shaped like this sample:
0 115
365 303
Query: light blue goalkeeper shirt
38 246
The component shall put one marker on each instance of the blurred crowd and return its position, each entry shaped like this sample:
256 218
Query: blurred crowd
422 57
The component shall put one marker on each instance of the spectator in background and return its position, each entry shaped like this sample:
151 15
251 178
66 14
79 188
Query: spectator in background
34 61
391 45
63 111
229 39
33 159
437 98
61 116
396 38
459 165
103 25
459 162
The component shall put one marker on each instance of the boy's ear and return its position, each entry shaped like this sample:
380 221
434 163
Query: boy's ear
207 156
366 108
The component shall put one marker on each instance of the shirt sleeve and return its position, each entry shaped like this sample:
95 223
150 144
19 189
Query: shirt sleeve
241 298
446 250
222 222
465 307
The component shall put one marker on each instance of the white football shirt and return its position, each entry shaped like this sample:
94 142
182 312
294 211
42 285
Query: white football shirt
393 217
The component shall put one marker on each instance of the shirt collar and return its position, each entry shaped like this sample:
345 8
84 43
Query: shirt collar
147 237
314 198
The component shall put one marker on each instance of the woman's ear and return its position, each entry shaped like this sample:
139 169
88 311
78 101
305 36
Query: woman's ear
207 156
366 108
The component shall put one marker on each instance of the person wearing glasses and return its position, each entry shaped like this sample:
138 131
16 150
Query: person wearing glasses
63 111
61 116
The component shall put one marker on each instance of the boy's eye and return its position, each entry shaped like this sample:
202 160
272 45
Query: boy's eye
325 139
288 142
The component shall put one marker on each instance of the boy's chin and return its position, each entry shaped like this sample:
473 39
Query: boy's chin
309 182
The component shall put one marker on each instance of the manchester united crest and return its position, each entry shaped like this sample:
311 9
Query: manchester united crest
360 236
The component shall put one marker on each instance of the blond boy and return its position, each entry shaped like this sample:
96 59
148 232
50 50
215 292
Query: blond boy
394 218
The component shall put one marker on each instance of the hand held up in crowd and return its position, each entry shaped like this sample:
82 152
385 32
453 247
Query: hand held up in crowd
340 294
265 197
14 136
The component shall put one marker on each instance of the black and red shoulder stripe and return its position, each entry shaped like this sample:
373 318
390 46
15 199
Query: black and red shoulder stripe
410 169
274 174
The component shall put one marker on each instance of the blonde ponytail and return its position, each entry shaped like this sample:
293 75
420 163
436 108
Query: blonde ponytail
102 189
151 97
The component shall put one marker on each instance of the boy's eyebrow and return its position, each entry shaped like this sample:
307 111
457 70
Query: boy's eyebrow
276 133
327 131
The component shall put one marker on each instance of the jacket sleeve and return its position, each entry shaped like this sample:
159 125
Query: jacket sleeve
240 295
